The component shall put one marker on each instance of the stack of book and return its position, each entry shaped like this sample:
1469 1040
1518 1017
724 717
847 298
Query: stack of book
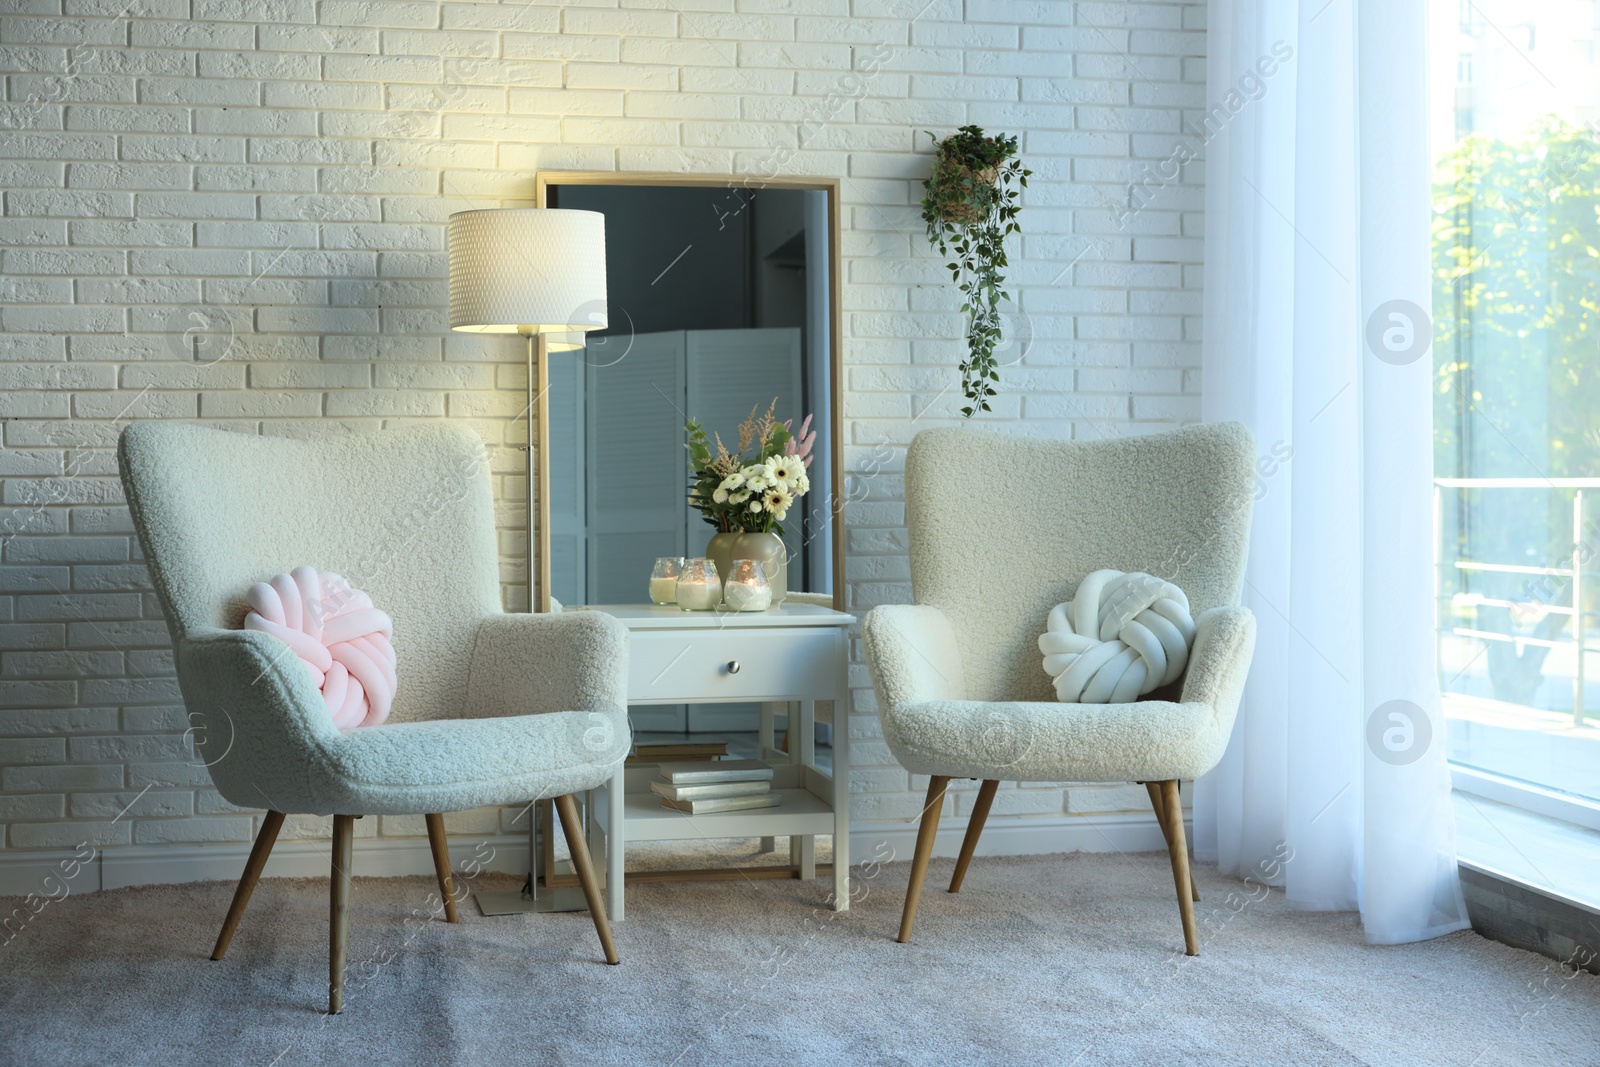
717 785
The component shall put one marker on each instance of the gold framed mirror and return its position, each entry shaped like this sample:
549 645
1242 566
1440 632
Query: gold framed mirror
723 295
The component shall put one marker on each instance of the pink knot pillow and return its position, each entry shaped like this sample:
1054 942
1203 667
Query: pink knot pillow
337 633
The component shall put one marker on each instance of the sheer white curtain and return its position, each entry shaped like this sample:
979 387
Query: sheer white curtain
1316 336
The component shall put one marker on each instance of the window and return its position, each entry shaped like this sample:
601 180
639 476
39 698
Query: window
1516 232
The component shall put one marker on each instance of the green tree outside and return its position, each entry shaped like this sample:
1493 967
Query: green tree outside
1516 240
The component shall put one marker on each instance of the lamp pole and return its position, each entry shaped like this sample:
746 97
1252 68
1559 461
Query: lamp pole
538 472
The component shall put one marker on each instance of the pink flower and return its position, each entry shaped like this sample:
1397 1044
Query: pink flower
800 444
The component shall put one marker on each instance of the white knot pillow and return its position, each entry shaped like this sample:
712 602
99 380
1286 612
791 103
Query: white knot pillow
337 633
1120 636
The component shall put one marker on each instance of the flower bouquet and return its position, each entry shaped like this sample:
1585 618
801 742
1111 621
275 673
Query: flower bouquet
746 493
751 488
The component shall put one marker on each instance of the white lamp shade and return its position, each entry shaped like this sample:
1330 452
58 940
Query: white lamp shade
527 270
563 342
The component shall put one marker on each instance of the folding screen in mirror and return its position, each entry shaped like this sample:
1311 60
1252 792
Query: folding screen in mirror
723 301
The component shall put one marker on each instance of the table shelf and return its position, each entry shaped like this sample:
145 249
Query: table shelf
645 818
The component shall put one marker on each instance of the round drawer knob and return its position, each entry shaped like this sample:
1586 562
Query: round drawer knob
733 666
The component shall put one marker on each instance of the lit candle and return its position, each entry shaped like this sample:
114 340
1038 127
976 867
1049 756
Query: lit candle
699 594
743 596
664 580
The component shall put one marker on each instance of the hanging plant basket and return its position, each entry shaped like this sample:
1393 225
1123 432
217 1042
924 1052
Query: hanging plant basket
971 207
973 190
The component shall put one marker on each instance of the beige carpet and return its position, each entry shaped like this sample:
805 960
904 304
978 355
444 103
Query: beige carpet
1054 960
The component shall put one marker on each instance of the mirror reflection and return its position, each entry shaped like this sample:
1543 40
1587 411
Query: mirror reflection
719 311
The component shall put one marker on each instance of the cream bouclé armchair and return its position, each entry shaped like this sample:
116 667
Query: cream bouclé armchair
1003 528
491 708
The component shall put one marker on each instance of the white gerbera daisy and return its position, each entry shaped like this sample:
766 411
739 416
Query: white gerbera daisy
786 469
777 499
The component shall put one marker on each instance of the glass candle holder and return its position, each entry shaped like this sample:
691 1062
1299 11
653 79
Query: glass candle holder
699 586
664 580
747 588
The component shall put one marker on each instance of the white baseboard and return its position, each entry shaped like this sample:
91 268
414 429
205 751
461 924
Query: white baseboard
25 872
379 858
115 868
1038 835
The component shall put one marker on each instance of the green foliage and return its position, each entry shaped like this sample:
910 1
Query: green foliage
970 208
699 447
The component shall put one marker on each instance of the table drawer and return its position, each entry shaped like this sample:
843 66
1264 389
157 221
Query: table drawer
695 666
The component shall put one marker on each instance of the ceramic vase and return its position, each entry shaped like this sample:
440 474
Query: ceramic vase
769 550
719 550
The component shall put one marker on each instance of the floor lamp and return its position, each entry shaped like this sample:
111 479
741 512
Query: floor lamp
539 272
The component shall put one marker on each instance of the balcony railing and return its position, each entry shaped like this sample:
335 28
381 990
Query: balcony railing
1572 573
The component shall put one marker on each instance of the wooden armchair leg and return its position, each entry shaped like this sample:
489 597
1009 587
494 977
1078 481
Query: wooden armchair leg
1171 814
270 825
339 908
969 844
1156 801
919 862
585 868
441 864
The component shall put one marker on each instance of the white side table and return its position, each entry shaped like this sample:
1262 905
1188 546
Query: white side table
794 653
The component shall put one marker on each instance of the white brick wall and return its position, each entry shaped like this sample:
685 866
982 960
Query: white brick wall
274 174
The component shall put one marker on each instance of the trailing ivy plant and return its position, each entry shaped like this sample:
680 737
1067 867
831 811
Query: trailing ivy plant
970 208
